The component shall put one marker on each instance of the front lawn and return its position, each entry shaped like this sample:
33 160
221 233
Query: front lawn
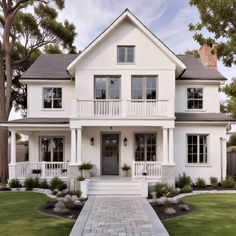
19 216
213 215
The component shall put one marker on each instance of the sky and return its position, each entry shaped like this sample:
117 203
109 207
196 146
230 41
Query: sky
167 19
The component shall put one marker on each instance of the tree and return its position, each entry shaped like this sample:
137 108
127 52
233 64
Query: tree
232 140
219 18
193 52
26 26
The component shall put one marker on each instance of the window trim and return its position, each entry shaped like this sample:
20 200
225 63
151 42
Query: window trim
198 146
51 137
125 63
107 90
195 109
144 86
145 148
52 108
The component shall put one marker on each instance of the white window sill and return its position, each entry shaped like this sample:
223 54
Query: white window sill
198 165
126 63
195 110
51 109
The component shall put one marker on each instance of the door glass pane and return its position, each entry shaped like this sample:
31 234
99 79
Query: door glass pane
139 147
58 149
46 149
151 147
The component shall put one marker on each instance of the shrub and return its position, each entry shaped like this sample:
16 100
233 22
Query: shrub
29 183
69 204
126 167
36 182
184 180
50 203
43 184
57 183
214 182
162 189
186 189
228 182
81 178
200 183
77 193
14 183
86 166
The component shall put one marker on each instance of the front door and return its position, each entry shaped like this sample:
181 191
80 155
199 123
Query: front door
110 154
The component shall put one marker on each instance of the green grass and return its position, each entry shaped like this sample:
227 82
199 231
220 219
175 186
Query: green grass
19 216
213 215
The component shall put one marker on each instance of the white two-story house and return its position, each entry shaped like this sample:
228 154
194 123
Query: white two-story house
126 98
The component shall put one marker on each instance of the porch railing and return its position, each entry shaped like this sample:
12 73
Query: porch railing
121 108
149 169
41 169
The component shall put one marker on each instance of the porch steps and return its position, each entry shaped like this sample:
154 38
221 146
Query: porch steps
114 187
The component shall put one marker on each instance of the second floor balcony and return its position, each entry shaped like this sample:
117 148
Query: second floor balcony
118 108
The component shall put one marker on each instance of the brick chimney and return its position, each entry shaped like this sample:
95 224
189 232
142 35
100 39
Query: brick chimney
208 54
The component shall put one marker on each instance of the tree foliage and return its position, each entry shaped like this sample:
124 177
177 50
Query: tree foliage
232 140
27 27
193 52
219 18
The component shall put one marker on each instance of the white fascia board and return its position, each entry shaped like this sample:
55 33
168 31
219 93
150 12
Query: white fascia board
127 14
17 125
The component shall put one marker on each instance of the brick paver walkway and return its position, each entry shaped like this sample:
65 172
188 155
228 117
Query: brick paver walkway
118 216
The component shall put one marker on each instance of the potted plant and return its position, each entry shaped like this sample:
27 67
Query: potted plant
125 169
85 169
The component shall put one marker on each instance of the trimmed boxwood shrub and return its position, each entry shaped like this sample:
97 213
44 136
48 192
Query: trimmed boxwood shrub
29 183
14 183
200 183
43 184
57 183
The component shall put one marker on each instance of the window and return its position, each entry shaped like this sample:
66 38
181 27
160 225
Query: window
52 149
125 54
145 147
107 87
197 148
143 87
195 98
52 98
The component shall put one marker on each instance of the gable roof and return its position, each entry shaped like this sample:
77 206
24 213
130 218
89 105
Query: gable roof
195 70
50 66
128 15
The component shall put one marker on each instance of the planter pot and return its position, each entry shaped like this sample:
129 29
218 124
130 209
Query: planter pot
86 174
125 173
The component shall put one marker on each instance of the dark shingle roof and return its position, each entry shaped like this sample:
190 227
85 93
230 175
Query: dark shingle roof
196 70
50 66
220 117
40 121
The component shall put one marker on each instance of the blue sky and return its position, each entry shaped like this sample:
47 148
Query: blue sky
168 19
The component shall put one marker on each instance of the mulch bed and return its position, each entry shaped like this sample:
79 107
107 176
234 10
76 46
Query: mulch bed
72 214
163 216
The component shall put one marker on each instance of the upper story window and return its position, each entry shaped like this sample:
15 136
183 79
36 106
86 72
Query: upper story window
125 54
107 87
197 148
195 98
52 98
144 87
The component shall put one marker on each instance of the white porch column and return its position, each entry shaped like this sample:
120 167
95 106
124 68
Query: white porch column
79 147
165 146
171 147
12 165
73 147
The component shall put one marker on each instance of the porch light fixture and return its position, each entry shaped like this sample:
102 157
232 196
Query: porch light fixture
92 141
125 141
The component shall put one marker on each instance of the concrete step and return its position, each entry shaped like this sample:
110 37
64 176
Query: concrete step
115 192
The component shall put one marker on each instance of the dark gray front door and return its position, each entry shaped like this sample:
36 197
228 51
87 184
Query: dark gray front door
110 154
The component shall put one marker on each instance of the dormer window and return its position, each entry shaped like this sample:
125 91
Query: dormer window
52 98
125 54
195 98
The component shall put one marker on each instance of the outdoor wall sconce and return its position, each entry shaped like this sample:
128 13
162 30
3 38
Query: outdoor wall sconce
125 141
92 141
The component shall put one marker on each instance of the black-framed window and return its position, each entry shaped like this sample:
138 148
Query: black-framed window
145 147
195 98
107 87
52 149
144 87
125 54
197 148
52 98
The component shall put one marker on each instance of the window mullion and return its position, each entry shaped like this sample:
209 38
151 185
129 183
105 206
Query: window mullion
198 148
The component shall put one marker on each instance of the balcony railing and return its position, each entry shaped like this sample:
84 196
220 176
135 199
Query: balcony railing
150 169
121 108
41 169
